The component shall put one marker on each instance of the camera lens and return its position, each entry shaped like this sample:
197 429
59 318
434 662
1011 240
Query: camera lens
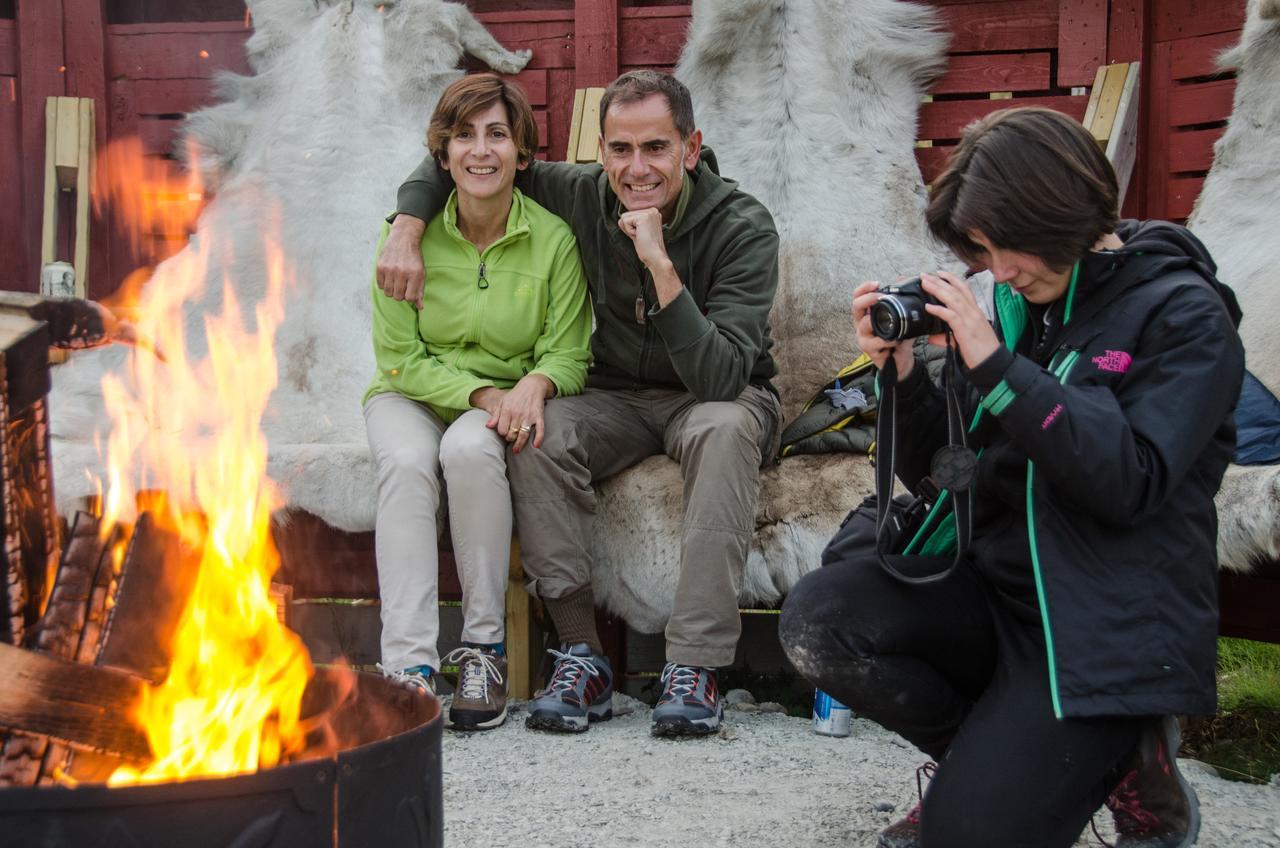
888 318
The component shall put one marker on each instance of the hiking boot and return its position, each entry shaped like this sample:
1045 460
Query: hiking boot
480 701
905 832
1153 805
419 678
690 703
580 691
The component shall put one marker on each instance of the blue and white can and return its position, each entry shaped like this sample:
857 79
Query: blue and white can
830 717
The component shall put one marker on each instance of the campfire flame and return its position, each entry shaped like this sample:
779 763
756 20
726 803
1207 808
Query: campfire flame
190 427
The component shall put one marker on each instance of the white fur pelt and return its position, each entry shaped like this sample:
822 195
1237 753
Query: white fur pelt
1234 217
313 144
812 107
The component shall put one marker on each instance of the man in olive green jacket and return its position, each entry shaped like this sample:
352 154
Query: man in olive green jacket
682 268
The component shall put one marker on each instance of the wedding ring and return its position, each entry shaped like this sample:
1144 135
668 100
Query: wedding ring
525 428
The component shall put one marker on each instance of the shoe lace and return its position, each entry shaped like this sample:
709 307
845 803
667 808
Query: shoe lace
679 681
569 667
412 679
475 668
1131 818
924 772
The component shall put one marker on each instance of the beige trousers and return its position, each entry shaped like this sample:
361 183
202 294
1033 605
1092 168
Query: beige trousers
414 450
720 447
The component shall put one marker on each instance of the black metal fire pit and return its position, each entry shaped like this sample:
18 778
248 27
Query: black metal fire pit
382 790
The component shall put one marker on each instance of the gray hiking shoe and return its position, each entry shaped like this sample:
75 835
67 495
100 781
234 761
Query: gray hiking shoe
690 704
580 691
1153 805
480 701
418 678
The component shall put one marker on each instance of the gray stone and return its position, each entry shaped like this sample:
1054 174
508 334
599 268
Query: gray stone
739 696
745 707
772 707
884 806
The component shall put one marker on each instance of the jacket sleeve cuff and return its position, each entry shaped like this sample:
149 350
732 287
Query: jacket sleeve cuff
988 373
680 321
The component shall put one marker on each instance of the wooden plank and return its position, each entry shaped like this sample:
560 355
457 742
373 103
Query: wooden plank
40 58
560 93
948 118
1122 146
1174 19
8 50
171 96
975 74
575 125
551 40
1095 95
49 199
1126 31
1155 140
1108 102
589 127
155 584
652 40
1248 607
83 192
158 135
1200 103
75 703
11 219
166 55
522 639
931 161
1198 57
1082 40
595 42
86 77
1182 194
1192 151
1002 25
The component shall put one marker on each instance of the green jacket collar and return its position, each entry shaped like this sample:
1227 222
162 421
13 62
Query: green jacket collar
517 221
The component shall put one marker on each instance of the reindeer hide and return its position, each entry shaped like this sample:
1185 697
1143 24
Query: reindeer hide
1233 217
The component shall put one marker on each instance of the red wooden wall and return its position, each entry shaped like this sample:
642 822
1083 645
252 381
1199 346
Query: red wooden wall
148 62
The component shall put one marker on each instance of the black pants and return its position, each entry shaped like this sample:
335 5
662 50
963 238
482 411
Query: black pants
951 668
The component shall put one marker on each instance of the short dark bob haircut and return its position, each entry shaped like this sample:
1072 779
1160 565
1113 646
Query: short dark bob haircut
634 86
1030 180
473 94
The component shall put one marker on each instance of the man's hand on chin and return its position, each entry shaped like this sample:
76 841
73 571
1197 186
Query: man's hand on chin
400 272
644 228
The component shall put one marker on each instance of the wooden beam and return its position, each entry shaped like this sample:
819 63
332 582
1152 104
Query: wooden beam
85 31
1082 40
42 75
74 703
155 584
595 51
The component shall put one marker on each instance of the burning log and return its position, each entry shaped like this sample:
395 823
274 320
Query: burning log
72 702
154 586
58 633
28 530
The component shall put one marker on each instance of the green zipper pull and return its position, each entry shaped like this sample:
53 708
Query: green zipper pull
481 280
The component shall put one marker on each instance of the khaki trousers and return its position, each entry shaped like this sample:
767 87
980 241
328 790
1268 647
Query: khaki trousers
720 447
414 450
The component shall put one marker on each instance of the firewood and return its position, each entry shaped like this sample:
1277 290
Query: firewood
82 705
25 758
154 585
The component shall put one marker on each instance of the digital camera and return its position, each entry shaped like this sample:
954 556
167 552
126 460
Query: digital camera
900 314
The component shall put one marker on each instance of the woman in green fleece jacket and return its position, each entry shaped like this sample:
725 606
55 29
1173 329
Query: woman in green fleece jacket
502 325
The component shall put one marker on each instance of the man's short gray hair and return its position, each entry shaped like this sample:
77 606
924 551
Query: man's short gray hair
637 85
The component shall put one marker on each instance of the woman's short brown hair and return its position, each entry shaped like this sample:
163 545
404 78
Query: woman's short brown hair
473 94
1029 179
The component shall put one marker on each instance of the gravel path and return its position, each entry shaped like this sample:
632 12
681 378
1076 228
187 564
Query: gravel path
766 780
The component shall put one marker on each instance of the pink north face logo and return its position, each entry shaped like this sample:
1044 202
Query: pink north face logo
1115 361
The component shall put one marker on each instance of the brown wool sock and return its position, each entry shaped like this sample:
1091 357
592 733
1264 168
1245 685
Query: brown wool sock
575 618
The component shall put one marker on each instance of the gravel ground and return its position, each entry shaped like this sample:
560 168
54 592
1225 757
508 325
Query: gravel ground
766 780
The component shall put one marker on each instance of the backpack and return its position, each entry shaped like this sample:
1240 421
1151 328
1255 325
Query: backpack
840 417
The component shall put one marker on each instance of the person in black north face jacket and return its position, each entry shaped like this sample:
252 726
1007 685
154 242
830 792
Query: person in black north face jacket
1042 674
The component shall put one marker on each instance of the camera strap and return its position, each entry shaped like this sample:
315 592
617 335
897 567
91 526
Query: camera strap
953 469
